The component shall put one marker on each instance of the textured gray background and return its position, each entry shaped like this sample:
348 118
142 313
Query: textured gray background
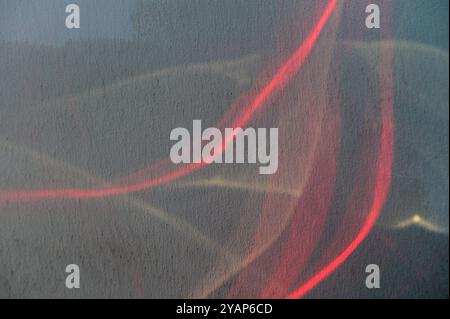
81 107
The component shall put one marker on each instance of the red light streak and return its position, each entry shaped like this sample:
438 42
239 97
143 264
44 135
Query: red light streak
382 181
279 80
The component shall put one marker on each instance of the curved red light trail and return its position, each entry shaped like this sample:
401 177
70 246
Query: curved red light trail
383 181
278 81
281 77
383 175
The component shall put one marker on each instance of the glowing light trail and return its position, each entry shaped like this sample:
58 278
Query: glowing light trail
382 183
279 80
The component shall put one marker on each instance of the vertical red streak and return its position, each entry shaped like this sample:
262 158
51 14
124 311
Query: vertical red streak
312 209
382 182
381 190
